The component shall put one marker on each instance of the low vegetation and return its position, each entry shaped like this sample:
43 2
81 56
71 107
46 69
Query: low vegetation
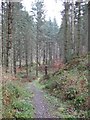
0 100
70 85
16 101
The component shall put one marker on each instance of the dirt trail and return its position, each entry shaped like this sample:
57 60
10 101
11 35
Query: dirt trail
40 103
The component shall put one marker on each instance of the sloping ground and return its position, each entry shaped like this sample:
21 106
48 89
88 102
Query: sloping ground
16 99
70 85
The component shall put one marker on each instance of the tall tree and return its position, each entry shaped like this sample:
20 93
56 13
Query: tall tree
38 10
9 33
88 27
72 27
2 5
66 31
78 26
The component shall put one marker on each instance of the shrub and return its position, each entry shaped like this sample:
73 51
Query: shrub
16 101
23 108
79 102
82 67
46 77
88 114
71 93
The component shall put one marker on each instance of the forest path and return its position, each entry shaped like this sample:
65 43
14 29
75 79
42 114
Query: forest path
40 103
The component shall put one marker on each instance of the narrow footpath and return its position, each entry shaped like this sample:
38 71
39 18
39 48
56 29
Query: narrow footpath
41 105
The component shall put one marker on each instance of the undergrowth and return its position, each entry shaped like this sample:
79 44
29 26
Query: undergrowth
70 85
16 101
0 100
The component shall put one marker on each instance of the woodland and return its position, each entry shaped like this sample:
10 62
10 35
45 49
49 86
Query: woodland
44 68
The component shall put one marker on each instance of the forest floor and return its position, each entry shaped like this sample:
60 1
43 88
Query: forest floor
46 98
68 89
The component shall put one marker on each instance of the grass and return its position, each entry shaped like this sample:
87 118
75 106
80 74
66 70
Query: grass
37 83
17 101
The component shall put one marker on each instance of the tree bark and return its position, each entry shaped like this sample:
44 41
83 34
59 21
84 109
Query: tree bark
14 59
9 33
44 54
31 56
20 61
78 40
72 28
66 32
50 53
37 58
88 26
2 33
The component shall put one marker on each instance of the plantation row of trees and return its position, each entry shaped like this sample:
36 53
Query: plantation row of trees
74 29
29 39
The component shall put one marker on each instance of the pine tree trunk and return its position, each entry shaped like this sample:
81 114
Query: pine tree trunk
26 56
72 28
45 59
26 63
14 59
20 61
78 40
44 55
9 34
50 53
31 56
2 33
65 34
60 51
88 26
88 51
37 58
